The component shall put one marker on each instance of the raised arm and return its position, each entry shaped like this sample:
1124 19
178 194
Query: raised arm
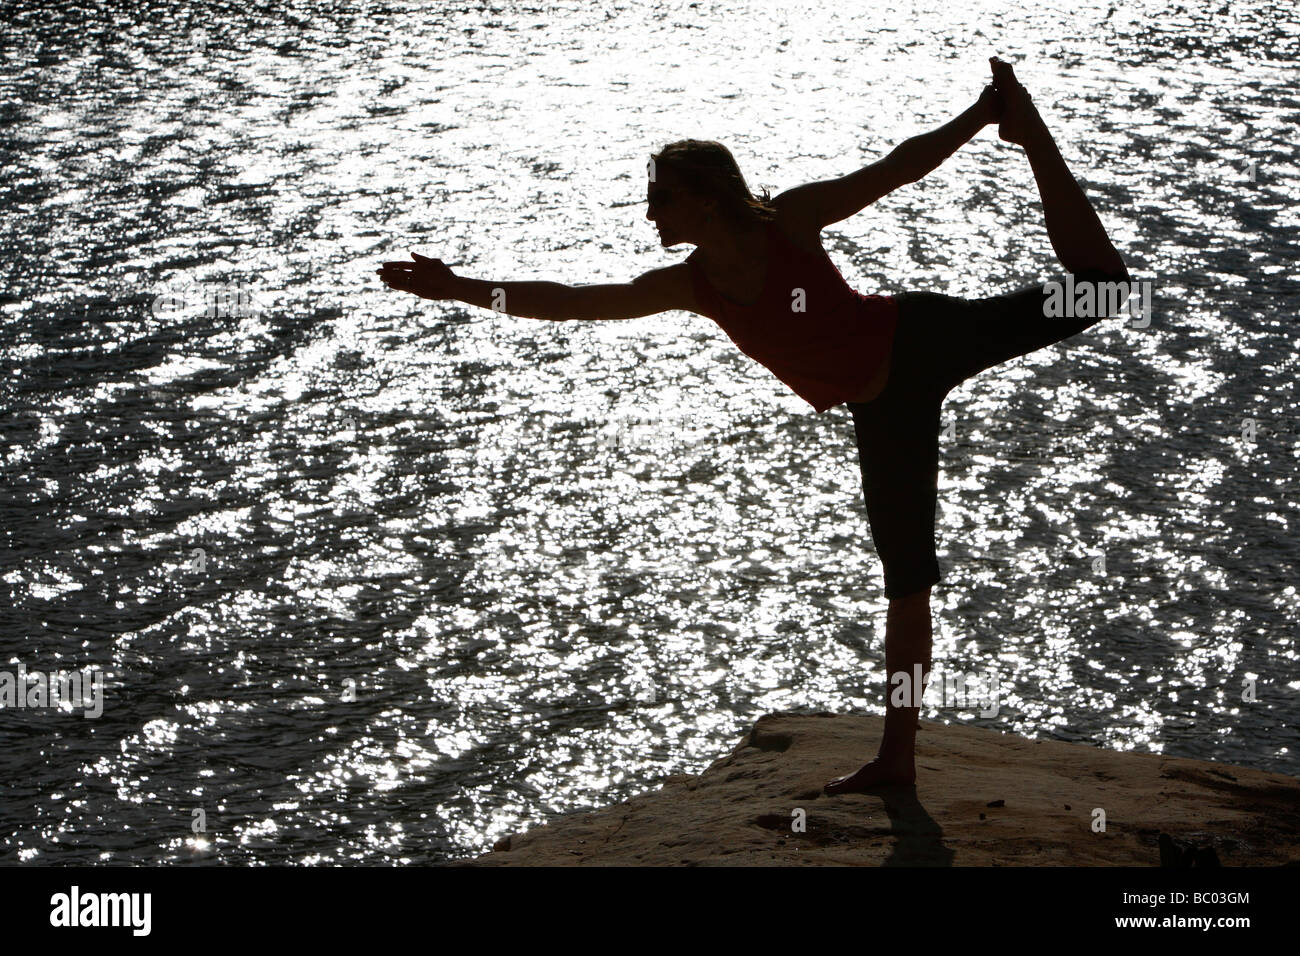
823 203
658 290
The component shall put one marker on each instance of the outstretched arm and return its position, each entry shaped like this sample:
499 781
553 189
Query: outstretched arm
835 199
656 291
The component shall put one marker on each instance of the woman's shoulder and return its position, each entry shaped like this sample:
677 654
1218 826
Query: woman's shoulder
796 228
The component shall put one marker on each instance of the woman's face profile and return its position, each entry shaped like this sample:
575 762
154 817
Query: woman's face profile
671 208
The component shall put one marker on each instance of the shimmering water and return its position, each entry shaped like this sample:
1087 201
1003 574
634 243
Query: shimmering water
378 579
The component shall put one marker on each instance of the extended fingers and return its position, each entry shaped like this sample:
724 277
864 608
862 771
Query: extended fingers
400 285
419 261
400 274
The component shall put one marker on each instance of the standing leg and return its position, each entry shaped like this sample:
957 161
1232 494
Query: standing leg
909 638
908 642
898 450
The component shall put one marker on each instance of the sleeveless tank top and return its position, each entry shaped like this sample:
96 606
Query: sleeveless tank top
817 335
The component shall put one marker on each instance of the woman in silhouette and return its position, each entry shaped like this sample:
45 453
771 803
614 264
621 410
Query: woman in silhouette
759 271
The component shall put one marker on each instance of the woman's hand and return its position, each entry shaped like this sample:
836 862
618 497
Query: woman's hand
989 105
425 277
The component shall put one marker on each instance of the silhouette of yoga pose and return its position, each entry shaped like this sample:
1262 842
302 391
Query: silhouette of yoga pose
890 359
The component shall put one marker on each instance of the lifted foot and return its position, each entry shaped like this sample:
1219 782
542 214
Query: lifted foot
1019 121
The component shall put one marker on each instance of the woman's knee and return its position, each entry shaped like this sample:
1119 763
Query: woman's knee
913 599
1119 274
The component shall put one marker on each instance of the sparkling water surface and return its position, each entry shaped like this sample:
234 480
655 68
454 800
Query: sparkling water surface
377 579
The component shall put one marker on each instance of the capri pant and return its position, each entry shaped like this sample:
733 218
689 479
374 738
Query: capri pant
940 342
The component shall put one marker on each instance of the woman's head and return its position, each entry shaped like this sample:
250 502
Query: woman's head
693 182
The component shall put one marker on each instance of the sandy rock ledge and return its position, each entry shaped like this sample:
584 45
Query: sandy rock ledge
981 798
